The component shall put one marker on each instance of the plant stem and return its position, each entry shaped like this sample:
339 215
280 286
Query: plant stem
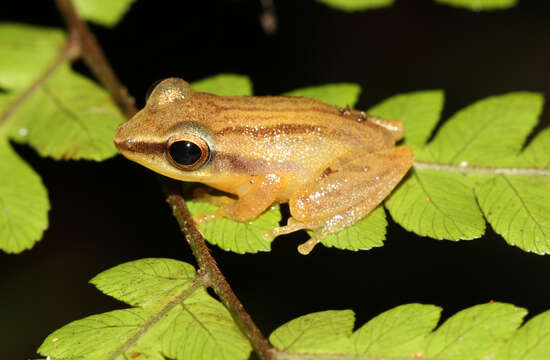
268 18
465 169
96 61
208 264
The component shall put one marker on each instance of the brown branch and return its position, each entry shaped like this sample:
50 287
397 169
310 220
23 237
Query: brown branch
208 264
268 17
94 58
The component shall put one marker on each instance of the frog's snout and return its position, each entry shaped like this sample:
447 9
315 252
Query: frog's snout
133 147
122 141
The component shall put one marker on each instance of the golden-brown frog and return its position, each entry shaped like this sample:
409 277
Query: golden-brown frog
332 165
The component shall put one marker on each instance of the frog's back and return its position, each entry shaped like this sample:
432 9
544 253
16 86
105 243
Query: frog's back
279 133
292 116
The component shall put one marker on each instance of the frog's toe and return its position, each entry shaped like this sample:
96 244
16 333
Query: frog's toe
291 226
269 234
308 246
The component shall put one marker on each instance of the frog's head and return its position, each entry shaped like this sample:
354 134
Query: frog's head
167 135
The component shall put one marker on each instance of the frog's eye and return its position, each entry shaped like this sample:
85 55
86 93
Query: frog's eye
169 90
188 152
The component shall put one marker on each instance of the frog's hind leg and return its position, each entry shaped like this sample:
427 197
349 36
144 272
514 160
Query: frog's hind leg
346 191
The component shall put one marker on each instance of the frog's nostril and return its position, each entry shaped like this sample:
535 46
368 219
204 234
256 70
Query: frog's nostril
121 139
126 145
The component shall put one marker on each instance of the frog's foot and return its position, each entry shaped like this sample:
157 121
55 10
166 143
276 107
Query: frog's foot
292 226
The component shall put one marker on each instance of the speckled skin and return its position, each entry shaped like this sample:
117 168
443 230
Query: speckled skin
332 165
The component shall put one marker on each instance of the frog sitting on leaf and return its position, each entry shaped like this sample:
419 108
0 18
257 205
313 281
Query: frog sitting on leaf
333 166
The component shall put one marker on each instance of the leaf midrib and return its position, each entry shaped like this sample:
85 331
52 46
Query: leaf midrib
155 318
489 170
63 56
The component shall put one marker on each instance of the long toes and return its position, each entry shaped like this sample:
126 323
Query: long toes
308 246
291 226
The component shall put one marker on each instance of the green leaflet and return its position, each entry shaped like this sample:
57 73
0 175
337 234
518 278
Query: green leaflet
517 208
25 52
356 5
341 94
475 333
48 106
470 135
465 162
475 5
84 115
24 202
479 5
224 85
85 119
536 154
367 233
236 236
175 318
138 282
530 342
436 204
398 331
103 12
322 332
420 109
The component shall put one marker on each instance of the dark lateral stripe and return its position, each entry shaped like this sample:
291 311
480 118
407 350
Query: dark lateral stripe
142 147
240 164
270 130
237 163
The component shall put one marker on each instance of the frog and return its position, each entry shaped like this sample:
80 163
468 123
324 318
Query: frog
332 165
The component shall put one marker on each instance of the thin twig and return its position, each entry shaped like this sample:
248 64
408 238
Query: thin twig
94 58
268 17
217 280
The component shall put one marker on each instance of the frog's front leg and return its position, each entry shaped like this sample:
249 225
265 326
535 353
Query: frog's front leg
262 192
347 190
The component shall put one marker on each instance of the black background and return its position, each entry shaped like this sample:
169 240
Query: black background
107 213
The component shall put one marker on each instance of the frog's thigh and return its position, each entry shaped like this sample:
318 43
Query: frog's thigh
264 191
351 186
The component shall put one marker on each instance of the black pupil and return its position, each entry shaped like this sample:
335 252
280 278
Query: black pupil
185 152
